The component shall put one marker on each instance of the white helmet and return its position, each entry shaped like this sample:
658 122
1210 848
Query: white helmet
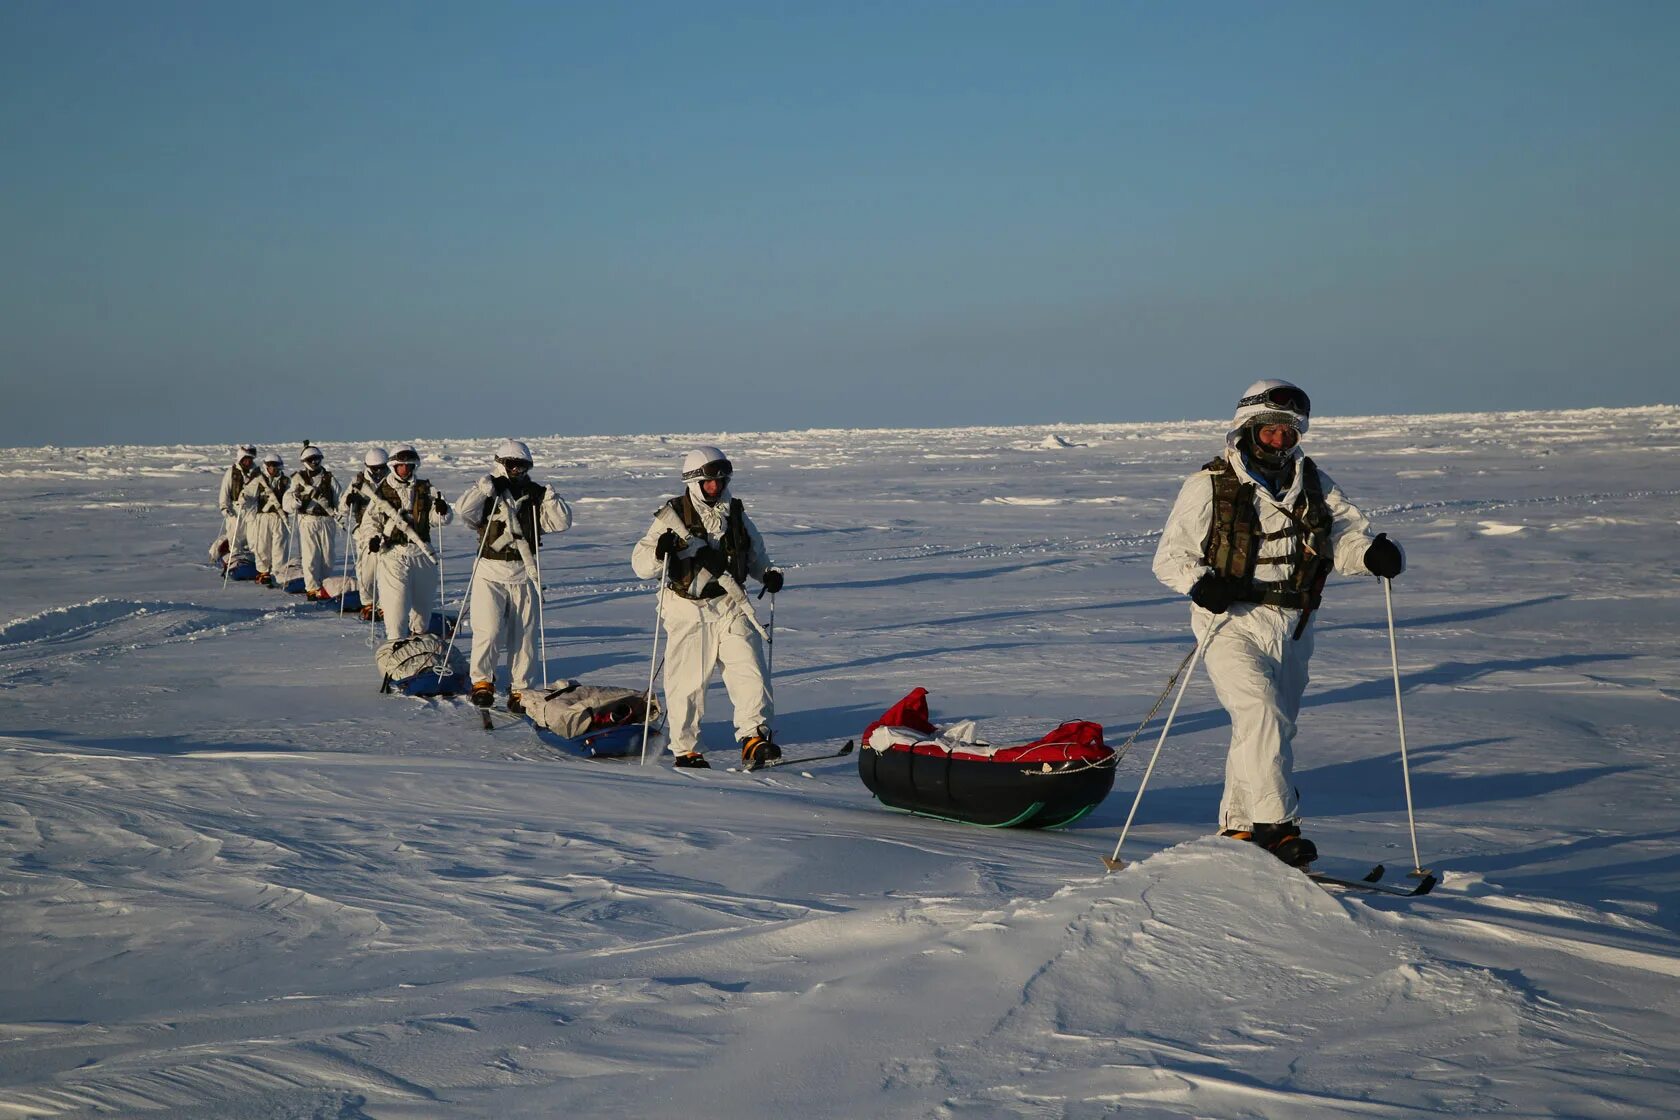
1278 402
513 460
272 459
375 457
405 455
696 461
706 463
310 453
245 451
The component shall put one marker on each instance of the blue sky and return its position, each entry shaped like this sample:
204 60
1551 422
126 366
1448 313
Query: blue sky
240 221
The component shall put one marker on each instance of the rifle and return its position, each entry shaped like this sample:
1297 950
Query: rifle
376 498
731 586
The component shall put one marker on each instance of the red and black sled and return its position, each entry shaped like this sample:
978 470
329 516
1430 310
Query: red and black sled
1048 783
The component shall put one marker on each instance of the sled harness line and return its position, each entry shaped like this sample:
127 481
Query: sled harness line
1120 751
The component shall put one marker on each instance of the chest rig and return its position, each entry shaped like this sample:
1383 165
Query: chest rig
736 547
417 520
511 494
1232 547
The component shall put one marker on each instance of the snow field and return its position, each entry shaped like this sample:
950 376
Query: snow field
235 882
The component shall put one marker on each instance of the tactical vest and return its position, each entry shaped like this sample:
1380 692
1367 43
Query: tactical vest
356 499
267 485
417 519
237 486
1232 547
736 546
496 527
316 495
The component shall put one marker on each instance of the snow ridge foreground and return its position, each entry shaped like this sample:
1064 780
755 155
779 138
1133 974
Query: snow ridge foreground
238 883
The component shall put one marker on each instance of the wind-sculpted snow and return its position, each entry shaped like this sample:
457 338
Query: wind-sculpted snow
237 882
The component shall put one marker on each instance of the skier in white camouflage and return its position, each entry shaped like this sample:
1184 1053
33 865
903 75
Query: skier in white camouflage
711 546
354 506
241 471
265 517
402 511
313 497
510 513
1251 539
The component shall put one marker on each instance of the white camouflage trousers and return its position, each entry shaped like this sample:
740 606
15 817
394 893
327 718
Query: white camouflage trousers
266 533
234 527
315 538
408 590
700 637
1259 673
504 616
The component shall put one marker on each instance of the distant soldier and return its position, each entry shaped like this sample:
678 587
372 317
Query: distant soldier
241 471
510 513
354 507
265 517
402 512
313 497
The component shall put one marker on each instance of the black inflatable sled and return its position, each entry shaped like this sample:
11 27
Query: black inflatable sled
1048 783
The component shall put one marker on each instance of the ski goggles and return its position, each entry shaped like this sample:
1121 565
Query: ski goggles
513 468
712 471
1284 398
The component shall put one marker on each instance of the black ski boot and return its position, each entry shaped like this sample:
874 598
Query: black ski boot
514 704
483 693
1283 840
756 750
692 761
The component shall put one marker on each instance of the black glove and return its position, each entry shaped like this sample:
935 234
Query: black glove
772 581
1383 558
356 501
711 561
1216 593
375 543
439 504
669 544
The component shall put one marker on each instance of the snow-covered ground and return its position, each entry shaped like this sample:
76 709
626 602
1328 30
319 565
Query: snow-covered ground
236 882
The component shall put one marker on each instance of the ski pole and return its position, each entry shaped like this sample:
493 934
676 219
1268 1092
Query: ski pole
1114 862
443 605
653 662
227 561
1400 713
345 590
542 636
441 669
770 661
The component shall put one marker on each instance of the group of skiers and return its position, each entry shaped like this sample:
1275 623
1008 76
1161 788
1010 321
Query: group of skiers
255 503
1251 539
702 543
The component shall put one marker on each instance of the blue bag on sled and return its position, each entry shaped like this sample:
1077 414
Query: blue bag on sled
238 564
595 721
345 595
411 666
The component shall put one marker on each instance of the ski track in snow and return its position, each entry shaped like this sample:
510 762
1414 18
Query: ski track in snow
236 882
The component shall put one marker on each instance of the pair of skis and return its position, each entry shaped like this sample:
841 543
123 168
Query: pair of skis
1370 882
1425 882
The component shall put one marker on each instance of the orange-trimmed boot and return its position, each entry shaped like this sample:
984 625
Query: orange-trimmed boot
756 750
